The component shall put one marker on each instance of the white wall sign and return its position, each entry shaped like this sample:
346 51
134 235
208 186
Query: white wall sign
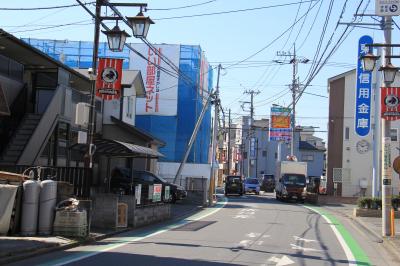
138 193
387 7
161 88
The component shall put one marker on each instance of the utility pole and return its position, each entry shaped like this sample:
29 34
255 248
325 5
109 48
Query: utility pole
294 90
229 141
294 87
250 131
386 151
214 140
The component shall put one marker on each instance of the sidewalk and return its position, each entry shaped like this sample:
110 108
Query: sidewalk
14 248
371 225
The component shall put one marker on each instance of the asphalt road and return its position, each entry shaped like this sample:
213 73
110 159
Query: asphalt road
248 230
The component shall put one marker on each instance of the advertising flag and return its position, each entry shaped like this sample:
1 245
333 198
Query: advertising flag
109 76
390 103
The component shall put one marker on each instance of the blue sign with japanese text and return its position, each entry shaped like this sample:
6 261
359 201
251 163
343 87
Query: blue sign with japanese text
363 90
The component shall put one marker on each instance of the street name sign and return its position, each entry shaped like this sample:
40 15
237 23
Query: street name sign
387 7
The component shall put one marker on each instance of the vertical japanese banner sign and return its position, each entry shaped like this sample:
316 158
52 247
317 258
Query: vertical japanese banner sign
252 148
109 76
363 91
390 103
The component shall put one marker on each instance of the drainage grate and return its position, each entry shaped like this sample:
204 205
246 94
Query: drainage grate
194 226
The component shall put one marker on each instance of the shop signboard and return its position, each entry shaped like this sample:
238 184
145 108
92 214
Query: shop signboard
161 87
157 189
280 124
363 90
167 194
138 193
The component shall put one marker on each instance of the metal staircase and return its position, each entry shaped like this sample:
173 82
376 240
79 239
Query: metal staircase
20 139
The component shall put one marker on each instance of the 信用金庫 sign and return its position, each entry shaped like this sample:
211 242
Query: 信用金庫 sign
363 90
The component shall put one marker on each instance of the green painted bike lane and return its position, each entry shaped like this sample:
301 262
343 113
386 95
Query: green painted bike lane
349 244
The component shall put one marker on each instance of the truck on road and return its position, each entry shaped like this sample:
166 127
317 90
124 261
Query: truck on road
291 180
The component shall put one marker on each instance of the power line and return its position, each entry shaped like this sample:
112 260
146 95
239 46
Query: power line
234 11
180 7
272 42
78 23
40 8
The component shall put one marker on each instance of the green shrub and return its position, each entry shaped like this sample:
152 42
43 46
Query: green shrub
396 202
376 203
364 202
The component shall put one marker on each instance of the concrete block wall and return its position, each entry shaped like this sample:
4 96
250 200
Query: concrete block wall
152 214
105 211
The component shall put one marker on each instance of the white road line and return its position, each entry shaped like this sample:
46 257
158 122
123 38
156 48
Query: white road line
350 257
194 217
296 247
244 243
252 235
303 239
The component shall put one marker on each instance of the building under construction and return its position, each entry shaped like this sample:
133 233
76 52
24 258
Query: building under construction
176 91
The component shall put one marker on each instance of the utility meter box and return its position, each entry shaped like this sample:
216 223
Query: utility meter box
82 114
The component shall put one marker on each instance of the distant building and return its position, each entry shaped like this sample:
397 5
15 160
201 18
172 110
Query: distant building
253 154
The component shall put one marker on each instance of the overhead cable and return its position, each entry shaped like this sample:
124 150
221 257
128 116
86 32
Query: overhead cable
234 11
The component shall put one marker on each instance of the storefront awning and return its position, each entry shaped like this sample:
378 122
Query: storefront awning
114 148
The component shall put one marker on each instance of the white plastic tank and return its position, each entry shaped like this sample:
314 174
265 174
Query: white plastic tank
47 199
30 207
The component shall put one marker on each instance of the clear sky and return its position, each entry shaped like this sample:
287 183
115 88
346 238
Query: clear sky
226 38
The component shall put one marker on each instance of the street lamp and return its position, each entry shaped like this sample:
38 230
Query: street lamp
116 38
389 72
140 25
369 61
116 41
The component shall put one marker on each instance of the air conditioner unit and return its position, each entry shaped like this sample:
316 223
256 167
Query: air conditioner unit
82 114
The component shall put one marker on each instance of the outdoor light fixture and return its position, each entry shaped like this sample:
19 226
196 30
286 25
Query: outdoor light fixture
116 38
389 72
368 61
140 25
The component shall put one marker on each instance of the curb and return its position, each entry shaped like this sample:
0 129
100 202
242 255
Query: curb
375 237
75 243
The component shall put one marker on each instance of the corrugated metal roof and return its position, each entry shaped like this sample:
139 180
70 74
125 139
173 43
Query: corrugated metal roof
114 148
